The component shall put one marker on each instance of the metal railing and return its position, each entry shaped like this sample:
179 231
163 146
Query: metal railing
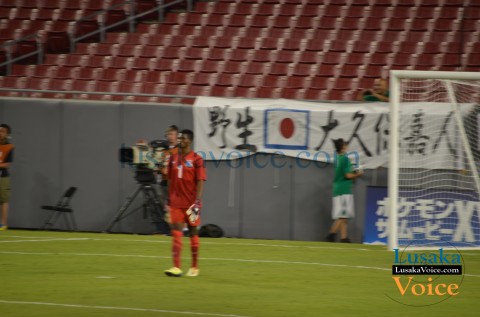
8 46
160 9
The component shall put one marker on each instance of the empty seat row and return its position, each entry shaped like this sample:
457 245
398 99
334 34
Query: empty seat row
266 53
409 3
155 32
326 67
289 44
61 4
334 10
44 14
320 22
240 90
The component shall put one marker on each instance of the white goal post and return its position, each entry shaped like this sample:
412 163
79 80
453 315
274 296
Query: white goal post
433 180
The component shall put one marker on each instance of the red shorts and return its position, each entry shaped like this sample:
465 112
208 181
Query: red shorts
179 215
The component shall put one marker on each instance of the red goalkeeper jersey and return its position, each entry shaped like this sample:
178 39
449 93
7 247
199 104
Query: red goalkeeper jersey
184 171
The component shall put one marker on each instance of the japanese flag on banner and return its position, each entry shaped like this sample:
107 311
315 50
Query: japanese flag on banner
286 129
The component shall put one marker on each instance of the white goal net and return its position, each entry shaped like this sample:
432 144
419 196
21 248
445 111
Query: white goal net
434 160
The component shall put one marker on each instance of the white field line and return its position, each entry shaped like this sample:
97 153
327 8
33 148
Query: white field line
214 259
46 240
212 243
220 243
121 308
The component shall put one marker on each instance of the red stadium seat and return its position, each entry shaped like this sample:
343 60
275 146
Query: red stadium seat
189 66
296 82
266 9
246 43
309 57
373 71
204 79
427 60
263 56
450 60
445 25
369 35
256 68
332 58
195 53
345 84
227 80
234 67
473 60
221 91
336 95
250 80
348 71
326 71
414 36
224 7
269 44
292 93
410 48
397 24
114 17
267 92
338 46
279 69
314 94
289 9
357 59
216 20
218 54
285 56
356 11
304 70
320 83
403 60
431 48
245 92
374 24
420 25
274 81
379 59
325 23
292 44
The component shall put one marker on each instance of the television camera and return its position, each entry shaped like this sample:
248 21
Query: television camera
146 158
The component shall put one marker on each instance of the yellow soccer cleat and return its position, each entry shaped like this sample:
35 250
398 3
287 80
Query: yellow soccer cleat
193 271
174 271
2 227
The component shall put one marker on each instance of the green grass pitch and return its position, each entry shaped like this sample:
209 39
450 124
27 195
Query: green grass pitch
87 274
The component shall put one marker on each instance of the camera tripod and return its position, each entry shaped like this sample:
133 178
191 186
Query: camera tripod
151 205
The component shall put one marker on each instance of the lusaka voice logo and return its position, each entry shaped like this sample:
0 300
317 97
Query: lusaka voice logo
426 277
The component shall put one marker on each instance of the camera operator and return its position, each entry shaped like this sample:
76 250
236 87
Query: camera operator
378 93
171 134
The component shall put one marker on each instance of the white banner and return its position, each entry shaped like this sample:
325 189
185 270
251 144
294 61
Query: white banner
227 129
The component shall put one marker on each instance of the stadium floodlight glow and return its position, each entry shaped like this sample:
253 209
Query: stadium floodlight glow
434 185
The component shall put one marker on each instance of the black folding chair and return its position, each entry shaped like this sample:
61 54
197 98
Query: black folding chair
62 207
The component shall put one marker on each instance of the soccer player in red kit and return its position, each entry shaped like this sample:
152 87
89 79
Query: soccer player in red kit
186 175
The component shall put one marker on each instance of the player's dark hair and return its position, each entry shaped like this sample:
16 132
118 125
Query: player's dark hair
188 133
6 126
173 128
339 143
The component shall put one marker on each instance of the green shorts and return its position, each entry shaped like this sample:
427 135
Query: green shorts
4 189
